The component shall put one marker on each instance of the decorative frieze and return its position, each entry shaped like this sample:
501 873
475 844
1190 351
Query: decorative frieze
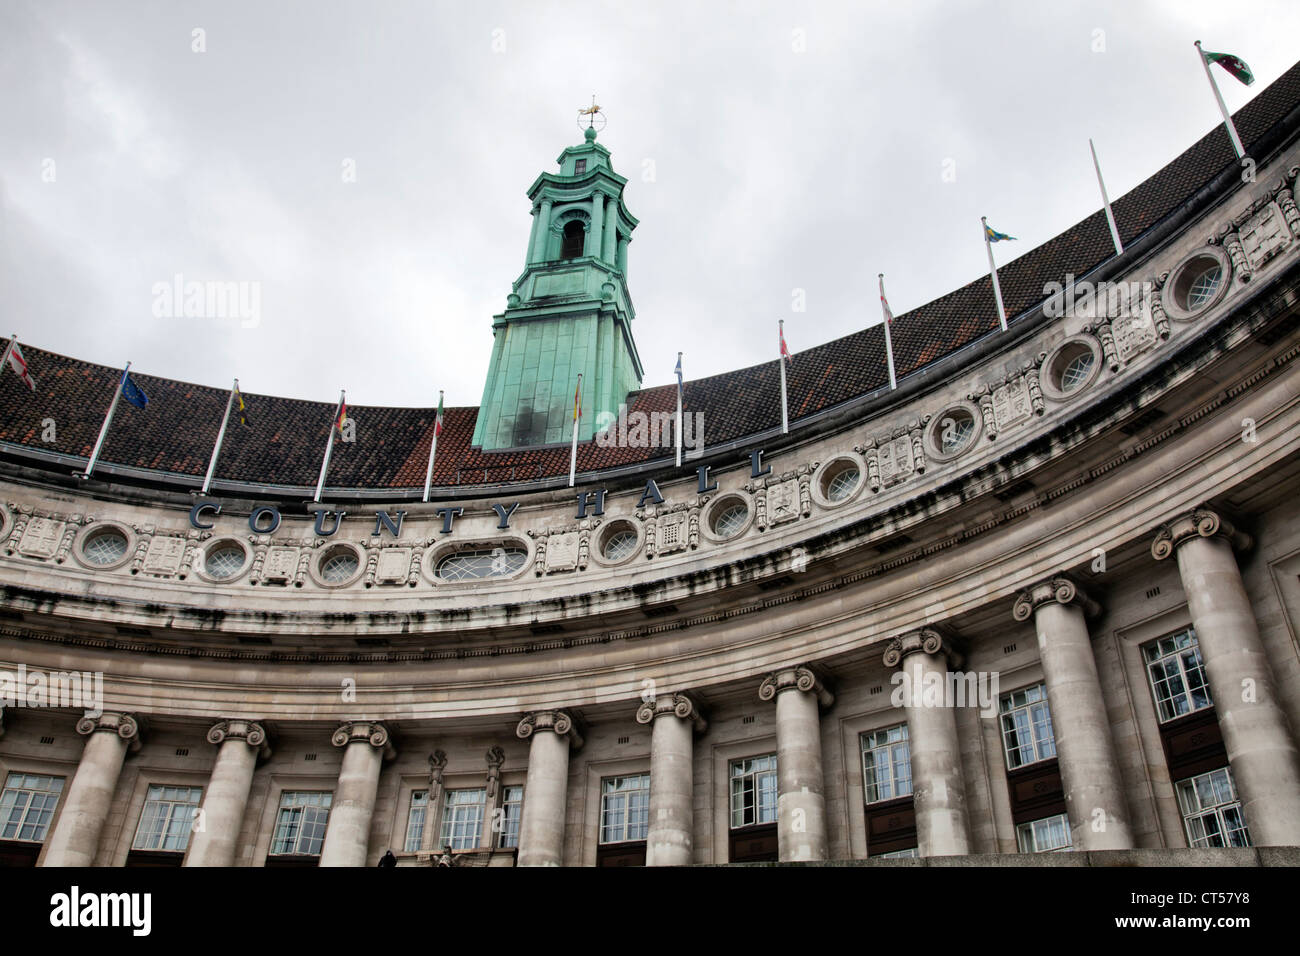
896 456
567 548
672 528
1016 398
784 497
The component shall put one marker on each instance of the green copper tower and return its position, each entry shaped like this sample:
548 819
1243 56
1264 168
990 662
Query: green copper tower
568 313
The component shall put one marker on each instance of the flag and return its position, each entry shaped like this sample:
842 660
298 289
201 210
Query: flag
577 401
132 392
992 235
889 342
18 363
884 303
678 371
342 419
240 408
437 422
1235 65
785 352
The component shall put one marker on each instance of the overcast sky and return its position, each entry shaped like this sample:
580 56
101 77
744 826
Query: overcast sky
768 148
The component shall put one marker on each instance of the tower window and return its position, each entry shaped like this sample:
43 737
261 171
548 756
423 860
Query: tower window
579 167
574 235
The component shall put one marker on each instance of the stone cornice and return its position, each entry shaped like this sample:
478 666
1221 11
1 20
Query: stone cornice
557 721
1058 589
236 728
802 679
126 726
1198 523
678 705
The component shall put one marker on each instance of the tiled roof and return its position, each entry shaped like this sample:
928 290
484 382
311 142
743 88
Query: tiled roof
284 441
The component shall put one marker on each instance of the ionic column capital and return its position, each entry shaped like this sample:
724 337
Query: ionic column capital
557 721
925 640
124 725
679 705
1058 589
1198 523
799 678
236 728
371 732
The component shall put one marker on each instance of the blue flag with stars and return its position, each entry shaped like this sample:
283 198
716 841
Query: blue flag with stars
132 392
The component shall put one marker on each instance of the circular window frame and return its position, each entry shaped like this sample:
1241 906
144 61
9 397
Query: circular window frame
323 554
933 446
201 567
821 476
612 527
720 504
435 554
90 532
1052 375
1169 298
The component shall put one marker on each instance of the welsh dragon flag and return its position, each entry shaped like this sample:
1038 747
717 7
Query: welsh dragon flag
1233 64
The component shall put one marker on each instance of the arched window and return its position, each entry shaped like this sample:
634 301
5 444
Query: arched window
574 236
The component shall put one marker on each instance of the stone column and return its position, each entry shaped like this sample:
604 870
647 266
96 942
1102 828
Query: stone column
541 831
1094 790
800 801
595 234
1260 748
75 840
347 837
541 231
674 720
622 256
532 238
216 836
611 231
938 785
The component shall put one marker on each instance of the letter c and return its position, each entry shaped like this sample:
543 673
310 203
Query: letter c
197 512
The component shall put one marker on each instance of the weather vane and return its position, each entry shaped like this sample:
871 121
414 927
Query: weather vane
595 119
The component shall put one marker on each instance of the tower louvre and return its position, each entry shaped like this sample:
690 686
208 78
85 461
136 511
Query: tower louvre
569 312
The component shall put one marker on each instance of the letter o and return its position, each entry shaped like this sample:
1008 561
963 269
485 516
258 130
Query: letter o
257 515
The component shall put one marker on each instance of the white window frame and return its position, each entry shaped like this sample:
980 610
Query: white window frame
512 813
1030 836
886 743
28 786
1181 643
624 808
462 818
174 815
299 806
1195 811
760 772
417 818
1031 704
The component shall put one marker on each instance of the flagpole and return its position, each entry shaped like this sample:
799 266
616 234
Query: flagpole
103 430
679 409
993 271
433 450
1223 108
329 447
1105 199
577 414
221 435
13 340
889 342
785 412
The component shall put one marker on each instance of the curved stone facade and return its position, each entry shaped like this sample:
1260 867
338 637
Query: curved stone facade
688 664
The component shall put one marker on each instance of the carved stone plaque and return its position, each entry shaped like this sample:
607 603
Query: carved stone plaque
895 457
562 551
1133 334
393 565
783 501
41 538
1011 402
281 564
1264 235
672 532
164 555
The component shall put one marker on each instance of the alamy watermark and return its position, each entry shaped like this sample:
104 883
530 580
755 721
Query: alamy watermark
1107 298
181 299
650 430
36 688
947 689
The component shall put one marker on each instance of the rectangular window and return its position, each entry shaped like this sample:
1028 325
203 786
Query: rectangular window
1211 810
300 826
167 818
462 818
415 820
27 805
624 808
753 791
910 853
1045 835
1027 727
1177 675
886 764
512 806
579 167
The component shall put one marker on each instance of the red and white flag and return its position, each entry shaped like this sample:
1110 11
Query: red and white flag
889 340
18 362
785 350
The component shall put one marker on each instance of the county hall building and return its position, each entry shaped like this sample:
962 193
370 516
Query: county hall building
1042 595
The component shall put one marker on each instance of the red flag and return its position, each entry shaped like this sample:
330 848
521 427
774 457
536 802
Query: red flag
785 352
19 364
343 417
